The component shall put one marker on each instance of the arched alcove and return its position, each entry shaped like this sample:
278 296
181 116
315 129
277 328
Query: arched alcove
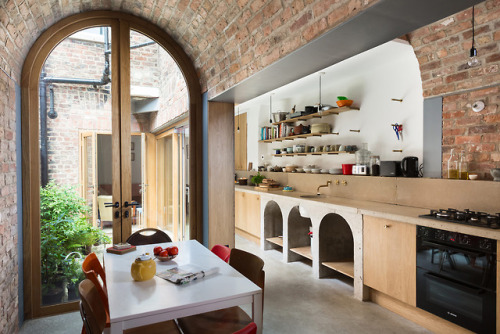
299 241
336 246
273 226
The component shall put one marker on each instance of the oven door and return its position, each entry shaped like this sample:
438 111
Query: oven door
467 306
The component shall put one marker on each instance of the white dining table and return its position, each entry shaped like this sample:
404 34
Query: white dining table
133 304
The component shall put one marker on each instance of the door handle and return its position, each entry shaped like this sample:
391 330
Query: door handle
111 205
127 204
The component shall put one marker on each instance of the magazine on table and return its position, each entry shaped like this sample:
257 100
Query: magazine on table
187 273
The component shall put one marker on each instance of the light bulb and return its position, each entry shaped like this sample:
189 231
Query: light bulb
472 62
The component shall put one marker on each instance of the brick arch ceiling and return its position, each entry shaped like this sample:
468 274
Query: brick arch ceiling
227 41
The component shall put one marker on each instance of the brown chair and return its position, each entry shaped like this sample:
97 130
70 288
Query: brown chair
93 314
140 238
233 319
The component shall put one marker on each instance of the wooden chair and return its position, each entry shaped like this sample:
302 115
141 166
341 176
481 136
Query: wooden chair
94 272
94 314
222 251
233 319
139 238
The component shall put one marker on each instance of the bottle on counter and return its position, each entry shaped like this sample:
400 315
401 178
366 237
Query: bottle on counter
453 165
375 165
463 167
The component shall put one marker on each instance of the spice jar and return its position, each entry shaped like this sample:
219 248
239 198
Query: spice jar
375 165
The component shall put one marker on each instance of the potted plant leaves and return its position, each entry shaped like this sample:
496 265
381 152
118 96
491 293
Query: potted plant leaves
257 179
73 273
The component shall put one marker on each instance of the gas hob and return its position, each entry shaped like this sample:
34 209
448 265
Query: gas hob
467 217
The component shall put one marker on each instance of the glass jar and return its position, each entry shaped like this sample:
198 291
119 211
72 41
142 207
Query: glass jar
375 165
463 167
453 165
363 155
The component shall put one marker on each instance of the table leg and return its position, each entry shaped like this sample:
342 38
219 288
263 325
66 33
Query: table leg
257 311
115 328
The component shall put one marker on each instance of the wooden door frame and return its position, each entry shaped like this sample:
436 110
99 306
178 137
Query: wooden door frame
30 75
84 169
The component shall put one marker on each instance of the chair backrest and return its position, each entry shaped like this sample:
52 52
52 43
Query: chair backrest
251 328
93 270
249 265
222 251
94 312
139 238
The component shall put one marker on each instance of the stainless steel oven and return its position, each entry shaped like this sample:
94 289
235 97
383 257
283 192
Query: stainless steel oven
456 278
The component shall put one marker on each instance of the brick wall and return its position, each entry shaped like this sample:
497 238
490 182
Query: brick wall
476 133
8 208
442 50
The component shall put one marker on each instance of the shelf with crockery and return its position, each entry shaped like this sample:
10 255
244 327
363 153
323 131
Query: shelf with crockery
312 153
304 135
322 113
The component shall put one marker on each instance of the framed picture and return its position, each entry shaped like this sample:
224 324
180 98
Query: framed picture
132 156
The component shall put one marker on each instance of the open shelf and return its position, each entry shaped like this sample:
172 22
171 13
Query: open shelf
304 135
346 268
304 251
311 153
332 111
276 240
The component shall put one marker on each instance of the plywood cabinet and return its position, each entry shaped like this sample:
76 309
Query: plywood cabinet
247 213
389 258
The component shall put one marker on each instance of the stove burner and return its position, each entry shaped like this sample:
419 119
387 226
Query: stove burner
475 218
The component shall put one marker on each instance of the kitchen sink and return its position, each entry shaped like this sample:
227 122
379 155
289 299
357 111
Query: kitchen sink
313 196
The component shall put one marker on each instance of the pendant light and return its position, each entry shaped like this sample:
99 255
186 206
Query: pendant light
238 120
472 62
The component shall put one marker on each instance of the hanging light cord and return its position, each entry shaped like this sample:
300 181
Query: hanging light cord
270 108
472 26
238 120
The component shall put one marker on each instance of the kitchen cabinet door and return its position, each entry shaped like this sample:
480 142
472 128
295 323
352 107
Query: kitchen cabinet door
247 215
389 258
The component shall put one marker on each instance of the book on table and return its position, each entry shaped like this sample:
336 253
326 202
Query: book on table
187 273
121 248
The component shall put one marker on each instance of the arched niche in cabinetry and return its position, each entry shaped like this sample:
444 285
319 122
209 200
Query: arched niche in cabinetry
336 246
273 226
299 241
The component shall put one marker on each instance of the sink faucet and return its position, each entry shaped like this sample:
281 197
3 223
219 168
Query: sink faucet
324 185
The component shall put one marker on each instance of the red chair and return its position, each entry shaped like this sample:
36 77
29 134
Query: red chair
93 271
222 251
250 329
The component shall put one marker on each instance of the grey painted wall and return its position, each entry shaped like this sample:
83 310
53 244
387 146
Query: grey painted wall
433 134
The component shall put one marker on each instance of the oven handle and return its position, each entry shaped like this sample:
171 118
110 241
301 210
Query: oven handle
476 291
446 247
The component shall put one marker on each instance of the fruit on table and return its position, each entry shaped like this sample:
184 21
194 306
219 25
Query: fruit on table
157 250
164 253
172 251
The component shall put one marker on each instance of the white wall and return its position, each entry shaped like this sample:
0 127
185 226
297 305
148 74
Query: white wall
371 79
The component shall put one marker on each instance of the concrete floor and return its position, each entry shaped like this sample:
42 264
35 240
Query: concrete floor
295 302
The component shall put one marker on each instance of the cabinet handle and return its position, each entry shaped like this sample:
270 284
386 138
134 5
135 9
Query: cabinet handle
344 182
387 226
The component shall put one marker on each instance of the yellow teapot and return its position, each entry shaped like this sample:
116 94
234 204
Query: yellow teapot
143 268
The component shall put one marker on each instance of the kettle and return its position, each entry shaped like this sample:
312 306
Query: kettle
143 268
409 166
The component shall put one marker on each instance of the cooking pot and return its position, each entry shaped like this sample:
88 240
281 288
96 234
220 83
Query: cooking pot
409 167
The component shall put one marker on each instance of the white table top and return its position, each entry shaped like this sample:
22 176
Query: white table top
129 299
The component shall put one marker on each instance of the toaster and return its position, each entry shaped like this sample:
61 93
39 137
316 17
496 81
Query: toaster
390 168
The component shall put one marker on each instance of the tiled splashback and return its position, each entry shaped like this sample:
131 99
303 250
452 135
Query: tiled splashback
414 192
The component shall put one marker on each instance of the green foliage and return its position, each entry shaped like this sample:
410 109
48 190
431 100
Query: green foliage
64 229
342 98
256 179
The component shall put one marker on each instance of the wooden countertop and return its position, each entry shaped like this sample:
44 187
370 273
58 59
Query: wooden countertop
400 213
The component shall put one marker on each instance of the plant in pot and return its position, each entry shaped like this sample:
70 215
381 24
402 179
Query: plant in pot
73 273
257 179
